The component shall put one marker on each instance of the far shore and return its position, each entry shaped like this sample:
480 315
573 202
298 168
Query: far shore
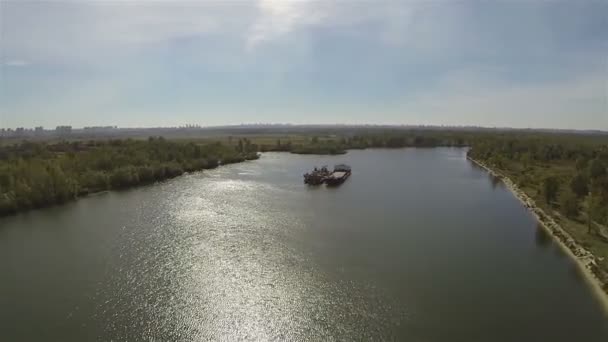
584 259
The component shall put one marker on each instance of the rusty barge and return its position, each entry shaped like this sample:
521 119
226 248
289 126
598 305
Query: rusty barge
320 176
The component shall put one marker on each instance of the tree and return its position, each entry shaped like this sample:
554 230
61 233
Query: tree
124 177
550 188
568 203
40 174
581 163
597 169
92 181
145 174
526 159
578 185
599 186
596 211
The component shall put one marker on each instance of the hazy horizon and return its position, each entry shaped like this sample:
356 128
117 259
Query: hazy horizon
166 64
311 125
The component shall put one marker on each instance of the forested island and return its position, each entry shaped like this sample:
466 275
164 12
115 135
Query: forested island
35 175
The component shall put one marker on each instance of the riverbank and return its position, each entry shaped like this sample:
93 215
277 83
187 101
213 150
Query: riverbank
85 194
584 259
38 175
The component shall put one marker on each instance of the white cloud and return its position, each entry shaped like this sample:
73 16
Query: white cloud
94 32
279 17
16 63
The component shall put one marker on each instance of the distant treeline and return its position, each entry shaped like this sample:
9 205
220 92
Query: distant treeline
331 144
34 175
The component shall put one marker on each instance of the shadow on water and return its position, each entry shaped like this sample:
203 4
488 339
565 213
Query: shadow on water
495 181
542 238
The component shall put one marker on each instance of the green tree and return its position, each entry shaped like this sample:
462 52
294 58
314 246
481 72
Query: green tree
550 188
581 163
596 211
124 177
569 204
597 169
599 186
578 185
93 181
145 174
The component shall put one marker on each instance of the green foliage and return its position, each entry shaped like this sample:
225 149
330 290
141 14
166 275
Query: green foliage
599 187
35 175
597 210
597 169
578 185
581 163
569 204
94 181
145 174
124 177
550 188
325 148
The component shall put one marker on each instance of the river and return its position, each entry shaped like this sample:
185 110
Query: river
418 245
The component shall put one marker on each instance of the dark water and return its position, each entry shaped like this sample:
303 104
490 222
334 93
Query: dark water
418 245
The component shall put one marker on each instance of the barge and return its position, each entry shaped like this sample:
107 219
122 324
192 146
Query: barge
316 176
340 174
336 177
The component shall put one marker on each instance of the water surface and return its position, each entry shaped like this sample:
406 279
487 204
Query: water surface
418 245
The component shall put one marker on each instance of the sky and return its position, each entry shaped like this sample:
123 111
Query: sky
527 64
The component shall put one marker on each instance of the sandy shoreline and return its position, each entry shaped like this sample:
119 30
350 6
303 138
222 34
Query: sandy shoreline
585 260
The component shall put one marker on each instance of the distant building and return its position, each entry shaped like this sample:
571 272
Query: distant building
63 130
99 129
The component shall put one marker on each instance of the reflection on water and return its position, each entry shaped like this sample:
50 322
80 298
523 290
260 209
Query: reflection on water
420 249
496 181
542 237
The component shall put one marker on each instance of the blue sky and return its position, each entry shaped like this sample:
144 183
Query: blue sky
161 63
